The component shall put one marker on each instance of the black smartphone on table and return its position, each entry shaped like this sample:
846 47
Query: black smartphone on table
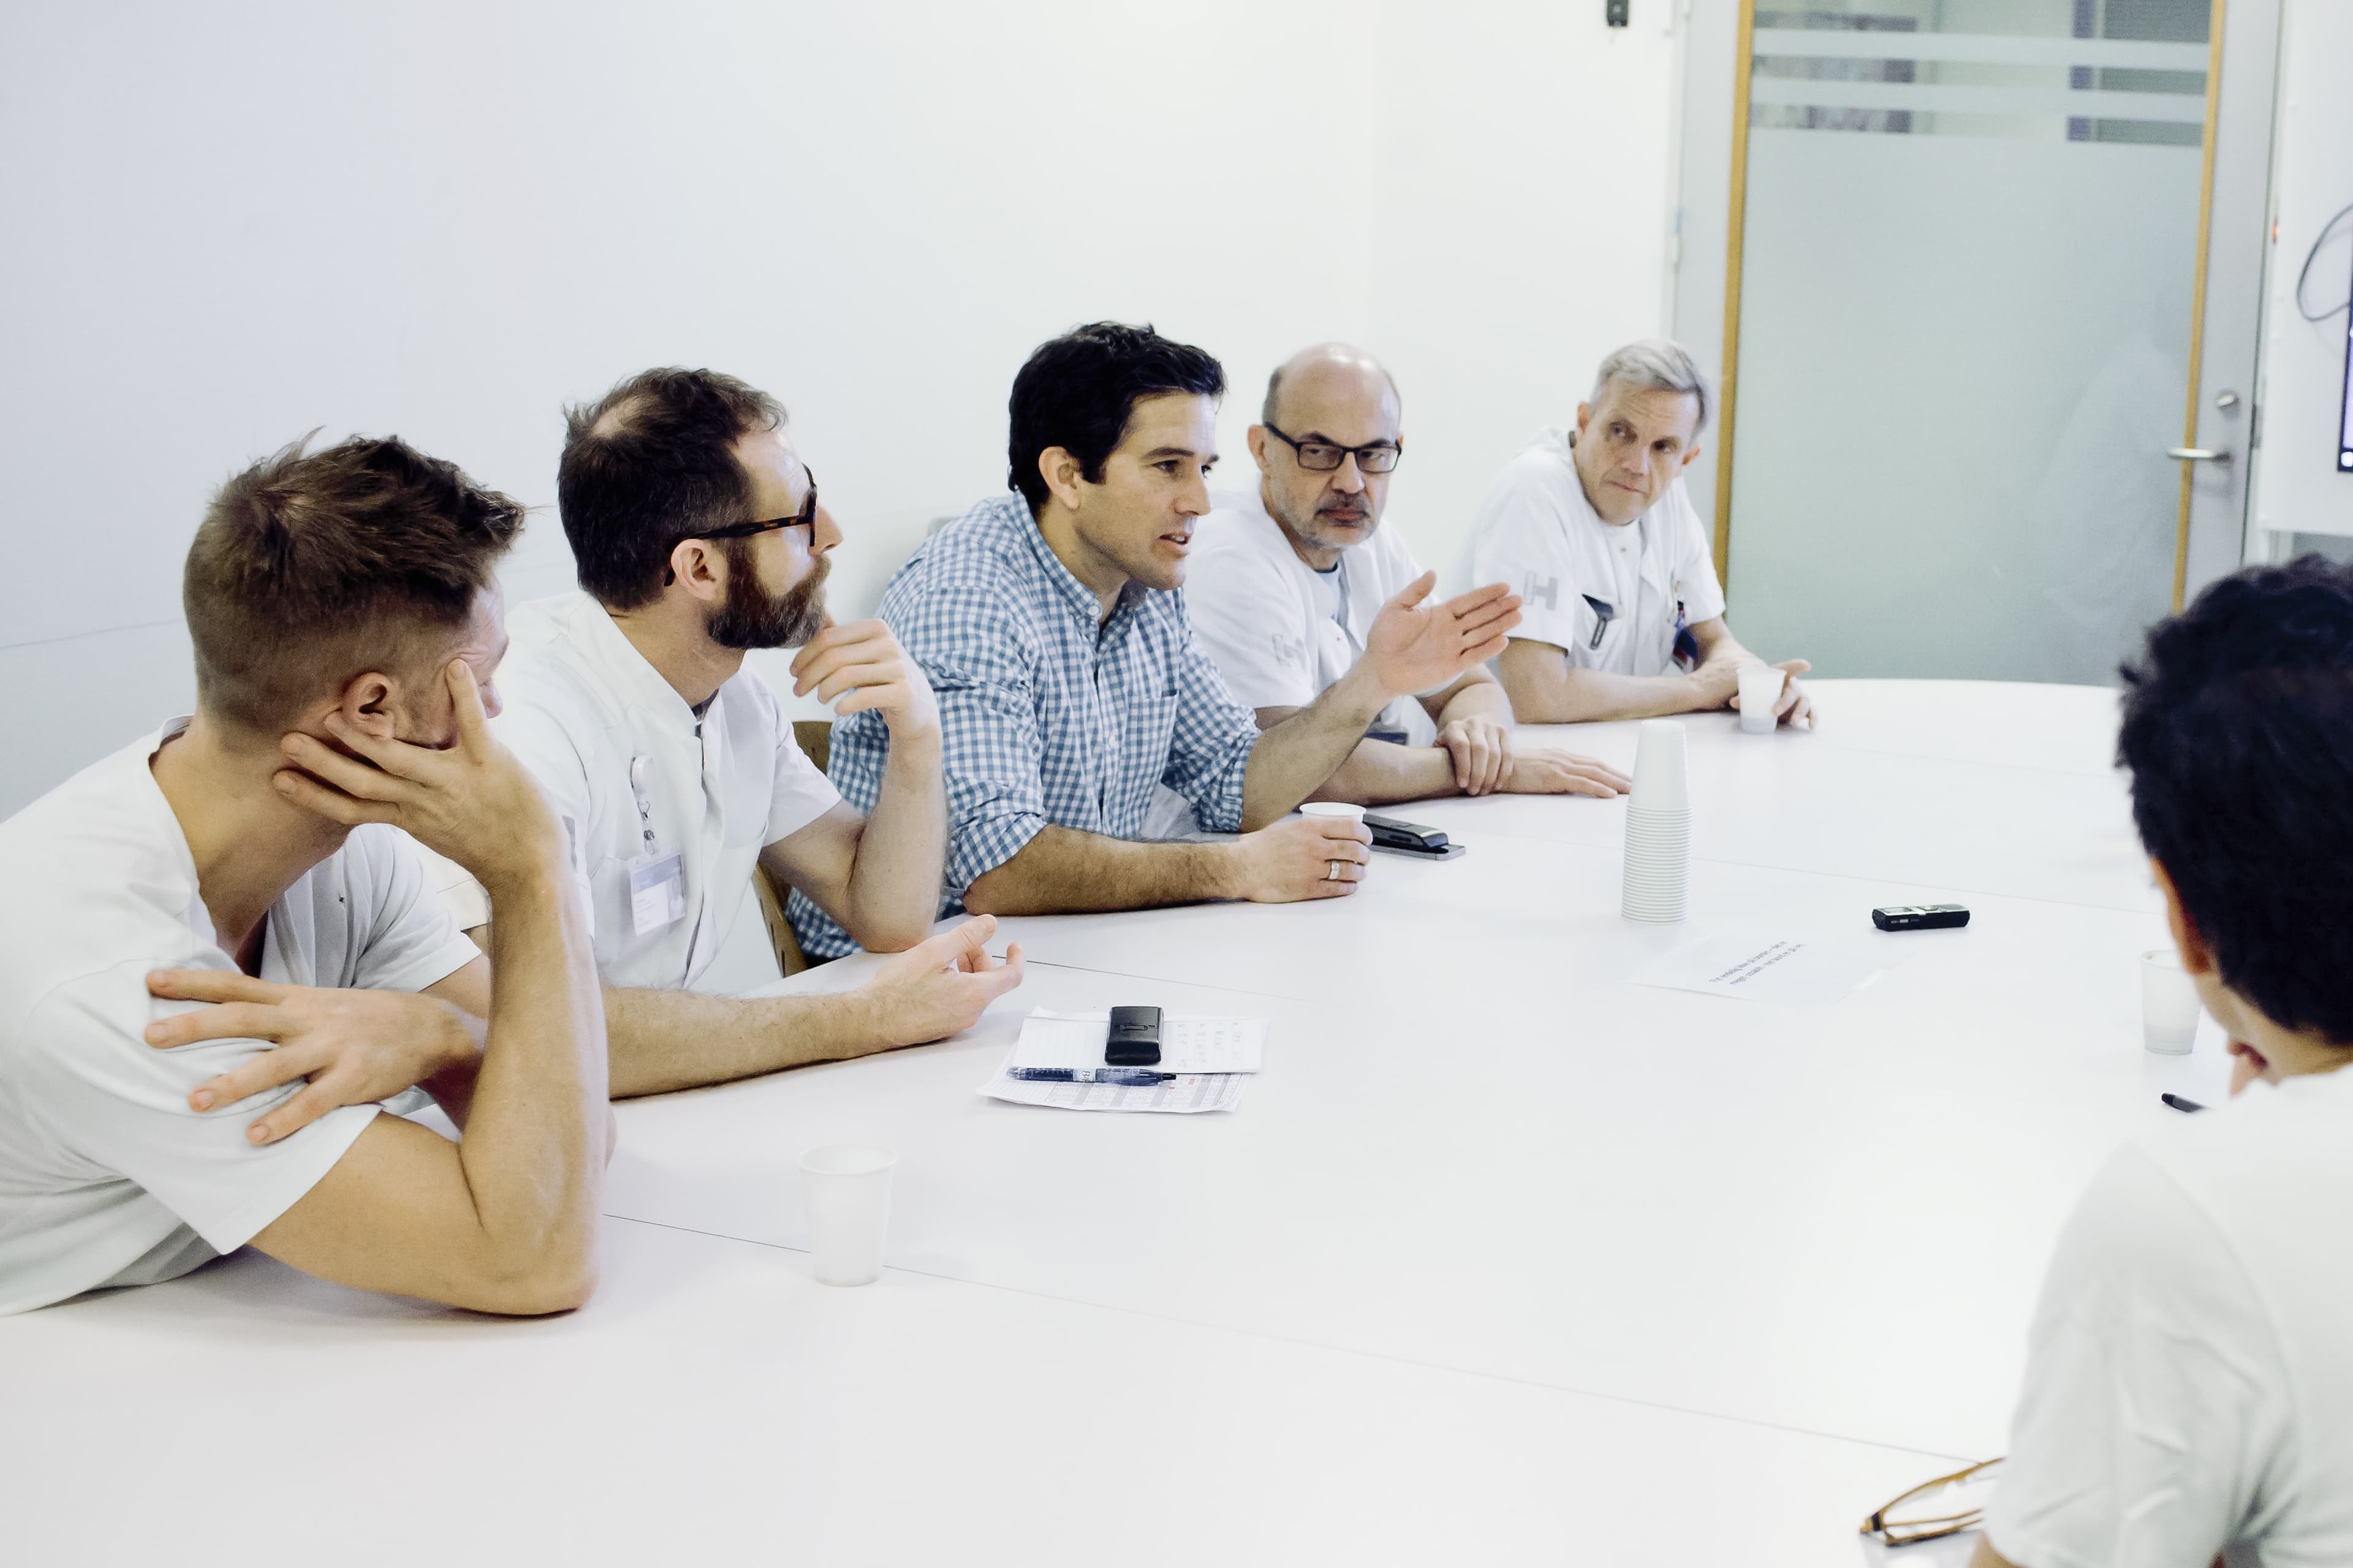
1133 1040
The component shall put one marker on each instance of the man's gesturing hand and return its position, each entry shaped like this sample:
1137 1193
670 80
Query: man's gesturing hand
473 801
1303 857
355 1047
941 986
1414 646
862 665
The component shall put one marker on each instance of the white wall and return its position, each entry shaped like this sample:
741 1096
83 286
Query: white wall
232 223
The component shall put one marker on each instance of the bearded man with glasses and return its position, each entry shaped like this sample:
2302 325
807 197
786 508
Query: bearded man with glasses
698 534
1287 577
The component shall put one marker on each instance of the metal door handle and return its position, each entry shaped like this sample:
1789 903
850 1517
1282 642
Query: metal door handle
2197 454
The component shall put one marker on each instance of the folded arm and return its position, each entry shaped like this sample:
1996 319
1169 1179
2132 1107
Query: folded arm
1411 647
878 876
1545 688
504 1221
507 1218
1475 755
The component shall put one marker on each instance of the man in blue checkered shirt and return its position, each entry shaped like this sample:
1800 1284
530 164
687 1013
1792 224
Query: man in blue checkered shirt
1052 630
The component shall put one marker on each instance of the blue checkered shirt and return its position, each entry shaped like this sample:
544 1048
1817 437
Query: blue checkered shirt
1049 713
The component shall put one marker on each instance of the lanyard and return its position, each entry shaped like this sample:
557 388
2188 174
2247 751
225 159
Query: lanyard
638 768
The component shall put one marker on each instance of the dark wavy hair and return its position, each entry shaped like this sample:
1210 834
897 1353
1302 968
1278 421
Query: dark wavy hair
311 568
2238 731
649 463
1077 390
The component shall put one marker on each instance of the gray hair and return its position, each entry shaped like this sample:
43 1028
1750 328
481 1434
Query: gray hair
1658 364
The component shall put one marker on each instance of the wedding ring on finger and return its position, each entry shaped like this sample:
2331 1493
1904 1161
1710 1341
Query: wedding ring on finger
1331 870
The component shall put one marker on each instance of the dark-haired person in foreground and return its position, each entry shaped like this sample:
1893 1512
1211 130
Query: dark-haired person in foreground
346 627
1070 688
698 534
2188 1394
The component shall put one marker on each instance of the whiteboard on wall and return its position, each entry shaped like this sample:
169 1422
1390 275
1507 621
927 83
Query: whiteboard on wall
2299 485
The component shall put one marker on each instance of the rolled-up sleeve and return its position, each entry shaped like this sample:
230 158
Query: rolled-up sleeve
1209 747
982 662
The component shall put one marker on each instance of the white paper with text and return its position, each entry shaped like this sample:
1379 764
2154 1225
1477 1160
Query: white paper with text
1754 964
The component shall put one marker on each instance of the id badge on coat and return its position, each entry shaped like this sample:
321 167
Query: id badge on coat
657 894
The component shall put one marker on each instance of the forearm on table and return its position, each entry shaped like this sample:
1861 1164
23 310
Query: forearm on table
1562 695
1062 870
665 1040
537 1129
1381 772
452 1088
893 891
1298 755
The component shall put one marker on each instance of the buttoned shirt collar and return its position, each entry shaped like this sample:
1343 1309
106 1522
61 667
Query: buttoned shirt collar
1080 598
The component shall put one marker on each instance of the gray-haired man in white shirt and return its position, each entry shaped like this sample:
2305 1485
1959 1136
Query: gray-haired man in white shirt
1621 614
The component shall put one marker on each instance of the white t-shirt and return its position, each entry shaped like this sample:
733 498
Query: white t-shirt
584 712
106 1177
1537 532
1278 630
2190 1381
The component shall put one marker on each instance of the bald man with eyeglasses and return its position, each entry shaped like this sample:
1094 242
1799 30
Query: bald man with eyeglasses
1287 577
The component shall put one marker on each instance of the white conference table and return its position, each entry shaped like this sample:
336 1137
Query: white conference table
1503 1258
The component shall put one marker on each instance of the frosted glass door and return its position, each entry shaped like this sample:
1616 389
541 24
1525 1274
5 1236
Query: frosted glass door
1971 235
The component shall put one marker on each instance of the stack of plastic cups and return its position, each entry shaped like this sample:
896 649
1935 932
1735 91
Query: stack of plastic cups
1658 826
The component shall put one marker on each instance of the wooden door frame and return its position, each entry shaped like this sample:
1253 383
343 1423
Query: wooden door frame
1736 237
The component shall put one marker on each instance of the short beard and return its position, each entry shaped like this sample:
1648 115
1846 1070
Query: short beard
753 617
1313 530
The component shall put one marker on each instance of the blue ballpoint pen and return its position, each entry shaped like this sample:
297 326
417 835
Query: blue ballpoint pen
1131 1078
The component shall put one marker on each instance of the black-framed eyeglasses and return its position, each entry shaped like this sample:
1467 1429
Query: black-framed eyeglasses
805 518
1323 457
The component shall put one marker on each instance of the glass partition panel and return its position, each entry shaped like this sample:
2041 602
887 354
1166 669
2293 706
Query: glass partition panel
1965 315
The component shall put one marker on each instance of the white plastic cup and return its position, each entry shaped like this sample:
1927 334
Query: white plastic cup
1760 693
2169 1004
1660 780
1657 876
848 1189
1336 811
